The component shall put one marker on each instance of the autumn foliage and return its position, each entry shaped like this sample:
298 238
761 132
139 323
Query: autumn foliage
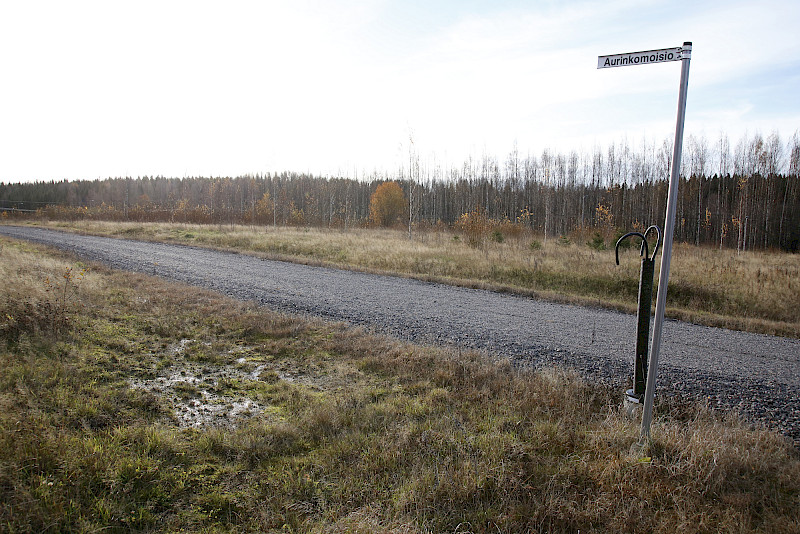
475 225
387 204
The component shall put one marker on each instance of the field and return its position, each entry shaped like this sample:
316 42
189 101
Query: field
132 404
751 291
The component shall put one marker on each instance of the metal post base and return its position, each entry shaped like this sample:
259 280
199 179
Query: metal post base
632 404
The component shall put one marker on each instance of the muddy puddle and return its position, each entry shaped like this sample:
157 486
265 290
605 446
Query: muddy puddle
200 393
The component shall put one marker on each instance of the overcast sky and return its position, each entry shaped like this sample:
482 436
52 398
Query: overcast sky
192 88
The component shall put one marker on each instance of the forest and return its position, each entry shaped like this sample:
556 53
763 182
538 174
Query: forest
744 196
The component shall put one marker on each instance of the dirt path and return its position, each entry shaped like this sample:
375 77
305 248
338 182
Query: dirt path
754 373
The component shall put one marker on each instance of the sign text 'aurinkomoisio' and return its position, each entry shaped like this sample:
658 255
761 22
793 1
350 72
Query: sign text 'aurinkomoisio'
640 58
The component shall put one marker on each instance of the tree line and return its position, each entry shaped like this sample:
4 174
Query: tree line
744 196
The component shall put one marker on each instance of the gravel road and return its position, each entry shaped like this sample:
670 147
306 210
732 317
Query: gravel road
754 374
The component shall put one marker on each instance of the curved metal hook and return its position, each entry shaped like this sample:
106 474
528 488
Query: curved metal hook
658 239
643 248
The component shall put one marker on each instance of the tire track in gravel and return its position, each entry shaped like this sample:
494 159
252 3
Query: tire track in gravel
752 373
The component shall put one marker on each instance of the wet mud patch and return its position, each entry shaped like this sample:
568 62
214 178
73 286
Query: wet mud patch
193 389
213 384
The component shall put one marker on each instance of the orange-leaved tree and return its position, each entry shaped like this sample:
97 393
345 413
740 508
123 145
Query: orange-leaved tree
387 204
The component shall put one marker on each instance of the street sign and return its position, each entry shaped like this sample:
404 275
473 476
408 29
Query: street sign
642 58
684 54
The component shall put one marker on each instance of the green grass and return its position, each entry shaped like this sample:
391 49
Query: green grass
752 291
347 432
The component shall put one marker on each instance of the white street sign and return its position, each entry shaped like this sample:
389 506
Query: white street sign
683 53
642 58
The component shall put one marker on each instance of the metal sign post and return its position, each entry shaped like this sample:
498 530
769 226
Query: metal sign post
683 54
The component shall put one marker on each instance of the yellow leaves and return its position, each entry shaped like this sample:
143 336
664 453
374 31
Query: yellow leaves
387 204
265 207
475 225
604 215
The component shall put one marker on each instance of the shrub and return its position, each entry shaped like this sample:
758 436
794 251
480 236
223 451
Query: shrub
628 243
48 310
475 225
387 204
597 242
497 236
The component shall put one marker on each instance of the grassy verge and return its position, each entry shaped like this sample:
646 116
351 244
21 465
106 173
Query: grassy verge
129 404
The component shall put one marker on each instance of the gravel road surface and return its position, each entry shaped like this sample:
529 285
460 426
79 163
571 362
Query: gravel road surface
751 373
